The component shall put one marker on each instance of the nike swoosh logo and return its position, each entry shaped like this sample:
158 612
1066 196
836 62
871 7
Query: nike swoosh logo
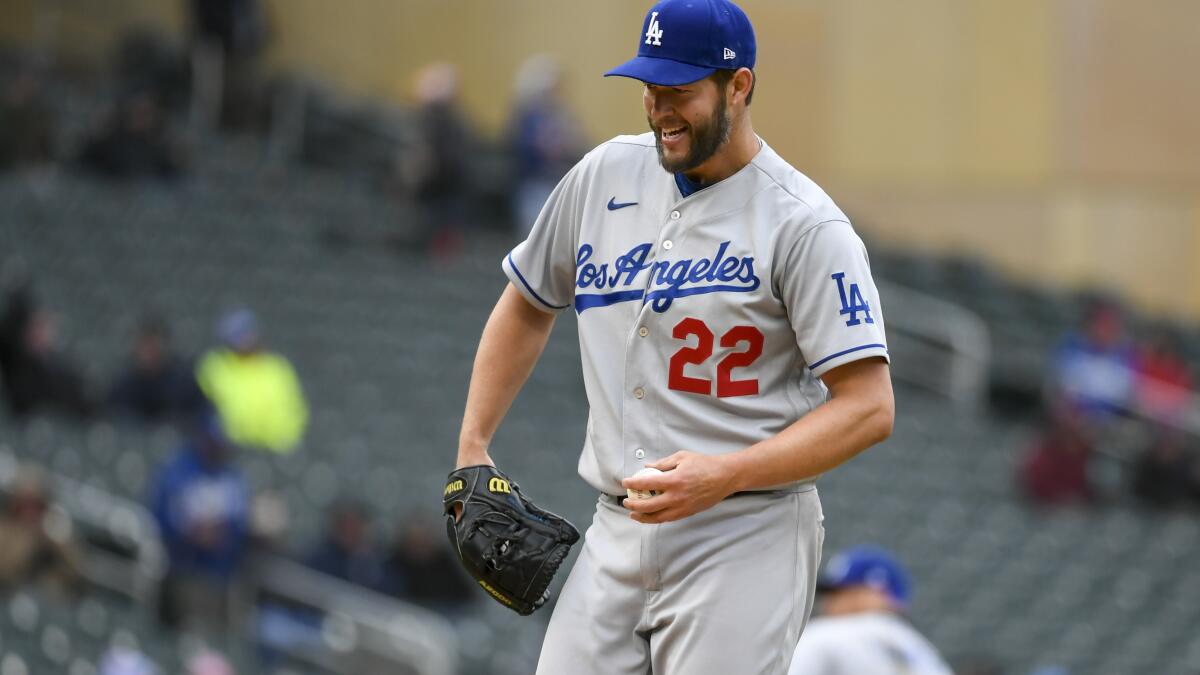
613 205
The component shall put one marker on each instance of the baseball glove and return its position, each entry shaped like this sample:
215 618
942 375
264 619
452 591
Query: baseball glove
511 547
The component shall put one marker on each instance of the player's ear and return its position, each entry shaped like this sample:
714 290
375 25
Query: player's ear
742 84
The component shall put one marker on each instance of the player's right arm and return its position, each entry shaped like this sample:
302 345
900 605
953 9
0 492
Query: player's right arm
512 341
541 274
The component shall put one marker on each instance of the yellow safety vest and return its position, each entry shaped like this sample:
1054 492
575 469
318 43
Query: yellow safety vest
258 397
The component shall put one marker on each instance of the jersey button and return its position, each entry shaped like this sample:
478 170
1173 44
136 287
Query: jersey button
675 215
668 244
639 393
639 453
643 331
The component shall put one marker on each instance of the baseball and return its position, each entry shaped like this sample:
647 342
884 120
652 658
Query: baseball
642 494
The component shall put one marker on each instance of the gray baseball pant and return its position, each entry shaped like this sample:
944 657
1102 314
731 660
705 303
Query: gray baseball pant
726 591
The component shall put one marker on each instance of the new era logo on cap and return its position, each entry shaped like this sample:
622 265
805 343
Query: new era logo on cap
682 41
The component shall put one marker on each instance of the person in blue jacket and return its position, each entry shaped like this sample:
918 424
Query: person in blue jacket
201 502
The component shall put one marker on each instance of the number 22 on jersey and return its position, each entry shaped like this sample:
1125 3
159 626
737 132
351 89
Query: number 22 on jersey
749 336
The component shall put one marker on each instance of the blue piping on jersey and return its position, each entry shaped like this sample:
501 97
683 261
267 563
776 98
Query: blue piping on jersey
529 288
813 366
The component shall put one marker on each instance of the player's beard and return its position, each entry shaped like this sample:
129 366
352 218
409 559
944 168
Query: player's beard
705 140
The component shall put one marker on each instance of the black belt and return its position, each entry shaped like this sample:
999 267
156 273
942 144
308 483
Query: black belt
620 501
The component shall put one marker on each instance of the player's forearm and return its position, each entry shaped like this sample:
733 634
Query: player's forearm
857 417
512 341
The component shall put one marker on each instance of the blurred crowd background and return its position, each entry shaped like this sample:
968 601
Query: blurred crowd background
247 248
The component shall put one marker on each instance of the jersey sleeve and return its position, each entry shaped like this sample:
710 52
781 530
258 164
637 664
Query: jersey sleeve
542 267
825 283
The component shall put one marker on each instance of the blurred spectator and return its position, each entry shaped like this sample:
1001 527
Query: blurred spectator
126 660
1165 474
201 502
39 545
1094 370
228 36
238 27
1055 469
424 570
862 627
269 522
134 142
1164 382
36 376
255 391
151 60
346 550
546 137
26 123
433 169
14 320
157 385
209 662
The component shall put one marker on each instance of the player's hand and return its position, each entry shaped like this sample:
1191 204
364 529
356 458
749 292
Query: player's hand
690 483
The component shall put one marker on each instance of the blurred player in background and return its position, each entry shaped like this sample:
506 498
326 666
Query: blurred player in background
862 627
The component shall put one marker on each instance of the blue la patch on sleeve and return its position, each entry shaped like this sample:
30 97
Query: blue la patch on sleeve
852 303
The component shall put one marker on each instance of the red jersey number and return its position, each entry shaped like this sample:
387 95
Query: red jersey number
691 355
749 336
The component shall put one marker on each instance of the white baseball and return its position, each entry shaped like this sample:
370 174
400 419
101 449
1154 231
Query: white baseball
642 494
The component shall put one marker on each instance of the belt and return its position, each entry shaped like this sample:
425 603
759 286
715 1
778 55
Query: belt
620 500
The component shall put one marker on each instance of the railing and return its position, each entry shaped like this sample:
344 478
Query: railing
124 524
359 625
359 621
937 345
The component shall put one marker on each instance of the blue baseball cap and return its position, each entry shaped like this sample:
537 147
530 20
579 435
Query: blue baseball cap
238 329
687 40
867 566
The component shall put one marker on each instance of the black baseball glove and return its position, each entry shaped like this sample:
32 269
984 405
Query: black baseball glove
510 546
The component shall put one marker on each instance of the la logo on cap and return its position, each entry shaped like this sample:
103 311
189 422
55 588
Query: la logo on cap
654 33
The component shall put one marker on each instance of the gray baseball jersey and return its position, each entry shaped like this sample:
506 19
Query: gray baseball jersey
705 322
880 643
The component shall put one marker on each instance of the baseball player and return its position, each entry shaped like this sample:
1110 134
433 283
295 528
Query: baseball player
731 338
862 628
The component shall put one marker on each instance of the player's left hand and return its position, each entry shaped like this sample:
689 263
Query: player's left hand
690 483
